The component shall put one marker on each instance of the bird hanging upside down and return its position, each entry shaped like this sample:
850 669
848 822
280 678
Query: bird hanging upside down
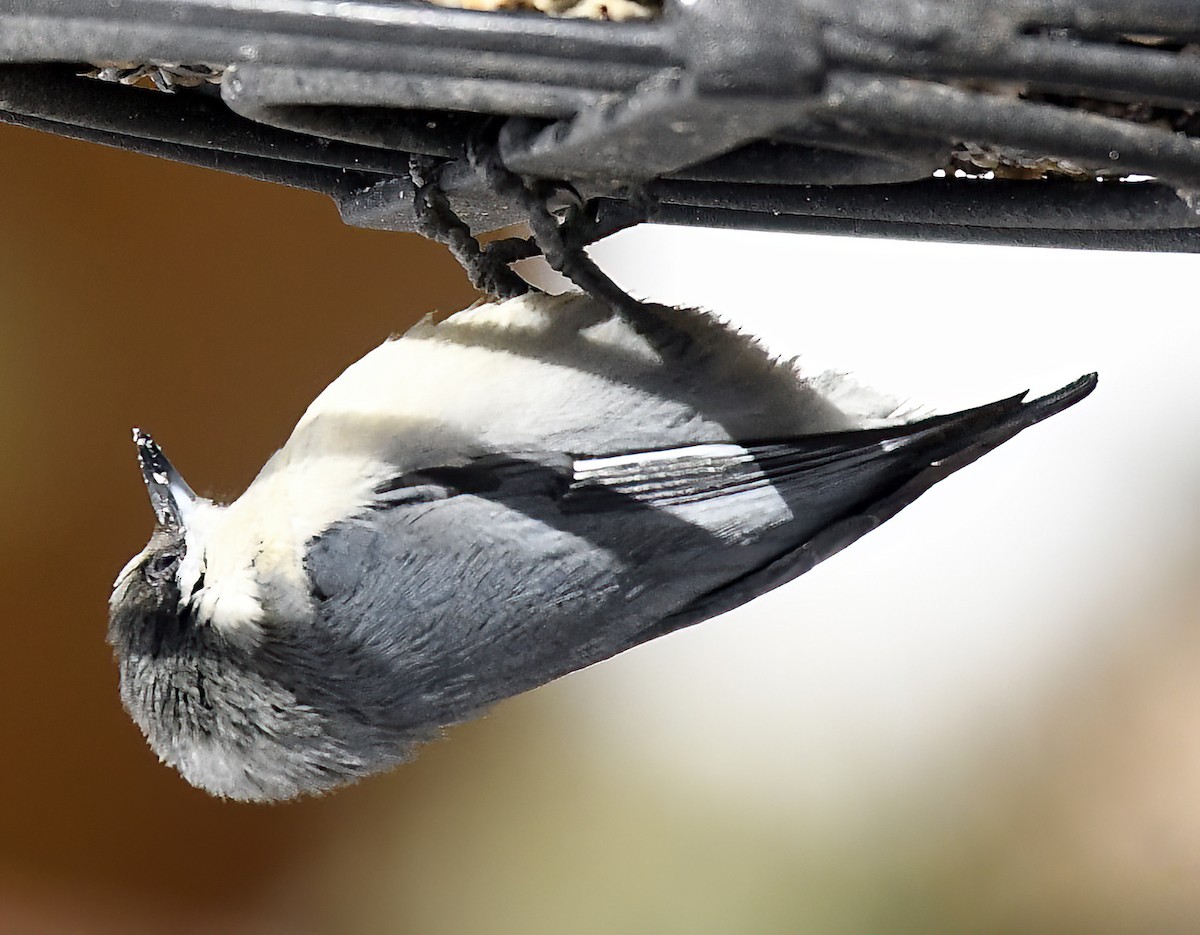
482 506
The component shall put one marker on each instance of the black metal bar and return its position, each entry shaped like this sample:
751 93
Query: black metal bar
1149 75
382 36
954 114
1012 205
195 121
255 90
1165 240
294 175
932 23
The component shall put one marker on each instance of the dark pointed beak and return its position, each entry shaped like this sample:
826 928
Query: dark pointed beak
170 495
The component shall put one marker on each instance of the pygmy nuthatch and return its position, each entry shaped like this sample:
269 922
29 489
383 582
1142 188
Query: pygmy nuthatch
484 505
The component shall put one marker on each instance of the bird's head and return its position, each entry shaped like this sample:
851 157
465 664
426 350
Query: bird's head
250 719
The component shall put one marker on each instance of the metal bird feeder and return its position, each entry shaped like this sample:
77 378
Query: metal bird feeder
1037 122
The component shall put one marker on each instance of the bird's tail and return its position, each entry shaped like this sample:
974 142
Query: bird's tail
877 473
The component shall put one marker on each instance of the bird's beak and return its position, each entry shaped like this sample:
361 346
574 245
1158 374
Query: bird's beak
170 495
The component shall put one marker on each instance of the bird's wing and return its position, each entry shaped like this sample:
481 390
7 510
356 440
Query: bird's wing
483 580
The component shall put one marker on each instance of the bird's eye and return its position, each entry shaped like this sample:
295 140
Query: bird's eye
162 564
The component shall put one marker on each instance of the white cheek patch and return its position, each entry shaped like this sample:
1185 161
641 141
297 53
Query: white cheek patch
191 569
217 582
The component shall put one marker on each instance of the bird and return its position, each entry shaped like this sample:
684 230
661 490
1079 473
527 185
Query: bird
486 503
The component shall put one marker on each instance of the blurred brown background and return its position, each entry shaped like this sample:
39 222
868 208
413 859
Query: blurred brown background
210 310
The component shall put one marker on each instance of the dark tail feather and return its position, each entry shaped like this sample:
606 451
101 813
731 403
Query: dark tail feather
964 437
